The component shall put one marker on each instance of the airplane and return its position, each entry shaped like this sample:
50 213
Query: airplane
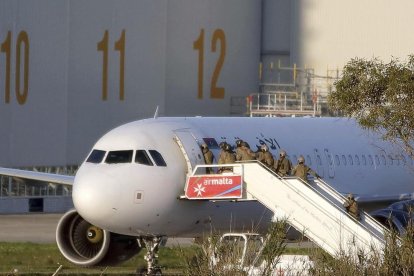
128 192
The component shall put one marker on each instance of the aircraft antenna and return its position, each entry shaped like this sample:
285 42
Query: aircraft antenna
156 113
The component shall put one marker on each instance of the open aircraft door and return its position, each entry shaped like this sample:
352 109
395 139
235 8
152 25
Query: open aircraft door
190 148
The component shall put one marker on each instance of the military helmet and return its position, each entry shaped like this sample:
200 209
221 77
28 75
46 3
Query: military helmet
301 159
239 142
227 147
204 146
245 144
264 147
350 196
282 153
222 144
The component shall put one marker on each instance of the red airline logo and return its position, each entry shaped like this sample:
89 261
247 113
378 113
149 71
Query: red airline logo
214 187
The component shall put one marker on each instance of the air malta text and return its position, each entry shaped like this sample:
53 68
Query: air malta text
218 181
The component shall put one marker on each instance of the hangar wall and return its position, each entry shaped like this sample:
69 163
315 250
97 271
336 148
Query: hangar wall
72 70
326 34
329 33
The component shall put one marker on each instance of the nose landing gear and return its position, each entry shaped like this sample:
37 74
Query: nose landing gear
151 244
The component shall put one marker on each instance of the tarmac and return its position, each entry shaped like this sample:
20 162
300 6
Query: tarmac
41 228
36 228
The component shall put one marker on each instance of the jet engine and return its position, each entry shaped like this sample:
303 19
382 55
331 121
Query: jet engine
87 245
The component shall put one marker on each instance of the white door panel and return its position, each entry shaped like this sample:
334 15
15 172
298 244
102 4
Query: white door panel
190 147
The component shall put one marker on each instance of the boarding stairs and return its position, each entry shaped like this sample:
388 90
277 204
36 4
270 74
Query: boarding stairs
314 209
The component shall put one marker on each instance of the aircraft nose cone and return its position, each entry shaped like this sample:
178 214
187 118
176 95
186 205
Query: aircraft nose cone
95 197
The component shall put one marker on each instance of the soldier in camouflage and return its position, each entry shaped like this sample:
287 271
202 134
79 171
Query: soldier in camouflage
351 207
208 157
265 156
283 166
239 149
245 153
226 157
302 171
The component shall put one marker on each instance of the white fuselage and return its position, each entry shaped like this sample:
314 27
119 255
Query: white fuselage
140 199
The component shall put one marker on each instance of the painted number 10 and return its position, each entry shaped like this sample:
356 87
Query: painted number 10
22 49
218 40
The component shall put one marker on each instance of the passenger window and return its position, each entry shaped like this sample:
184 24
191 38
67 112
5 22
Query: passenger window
384 161
344 160
158 158
357 160
96 156
391 159
309 160
377 161
350 160
403 159
371 160
337 160
330 160
141 157
319 160
119 156
364 160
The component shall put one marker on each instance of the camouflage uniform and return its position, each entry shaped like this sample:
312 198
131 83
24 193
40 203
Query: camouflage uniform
283 166
226 157
239 150
239 153
208 157
244 153
351 207
265 157
222 152
302 171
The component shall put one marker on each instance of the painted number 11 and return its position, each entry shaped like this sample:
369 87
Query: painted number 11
119 46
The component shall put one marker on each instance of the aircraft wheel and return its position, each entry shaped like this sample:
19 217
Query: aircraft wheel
141 272
157 272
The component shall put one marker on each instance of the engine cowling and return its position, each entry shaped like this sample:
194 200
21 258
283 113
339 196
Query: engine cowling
87 245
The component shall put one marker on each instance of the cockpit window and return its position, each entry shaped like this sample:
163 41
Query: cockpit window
158 158
141 157
96 156
119 156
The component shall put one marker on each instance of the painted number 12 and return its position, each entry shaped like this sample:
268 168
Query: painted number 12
218 40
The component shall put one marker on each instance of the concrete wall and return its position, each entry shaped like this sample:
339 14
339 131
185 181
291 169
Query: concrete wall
57 58
14 205
332 32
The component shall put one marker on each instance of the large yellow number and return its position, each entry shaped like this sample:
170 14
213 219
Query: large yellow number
199 45
218 92
103 46
218 36
22 40
119 46
6 48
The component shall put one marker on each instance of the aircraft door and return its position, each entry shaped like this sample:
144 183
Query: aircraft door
190 148
330 161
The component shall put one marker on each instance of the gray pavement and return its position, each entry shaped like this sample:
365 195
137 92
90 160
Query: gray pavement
37 228
41 228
